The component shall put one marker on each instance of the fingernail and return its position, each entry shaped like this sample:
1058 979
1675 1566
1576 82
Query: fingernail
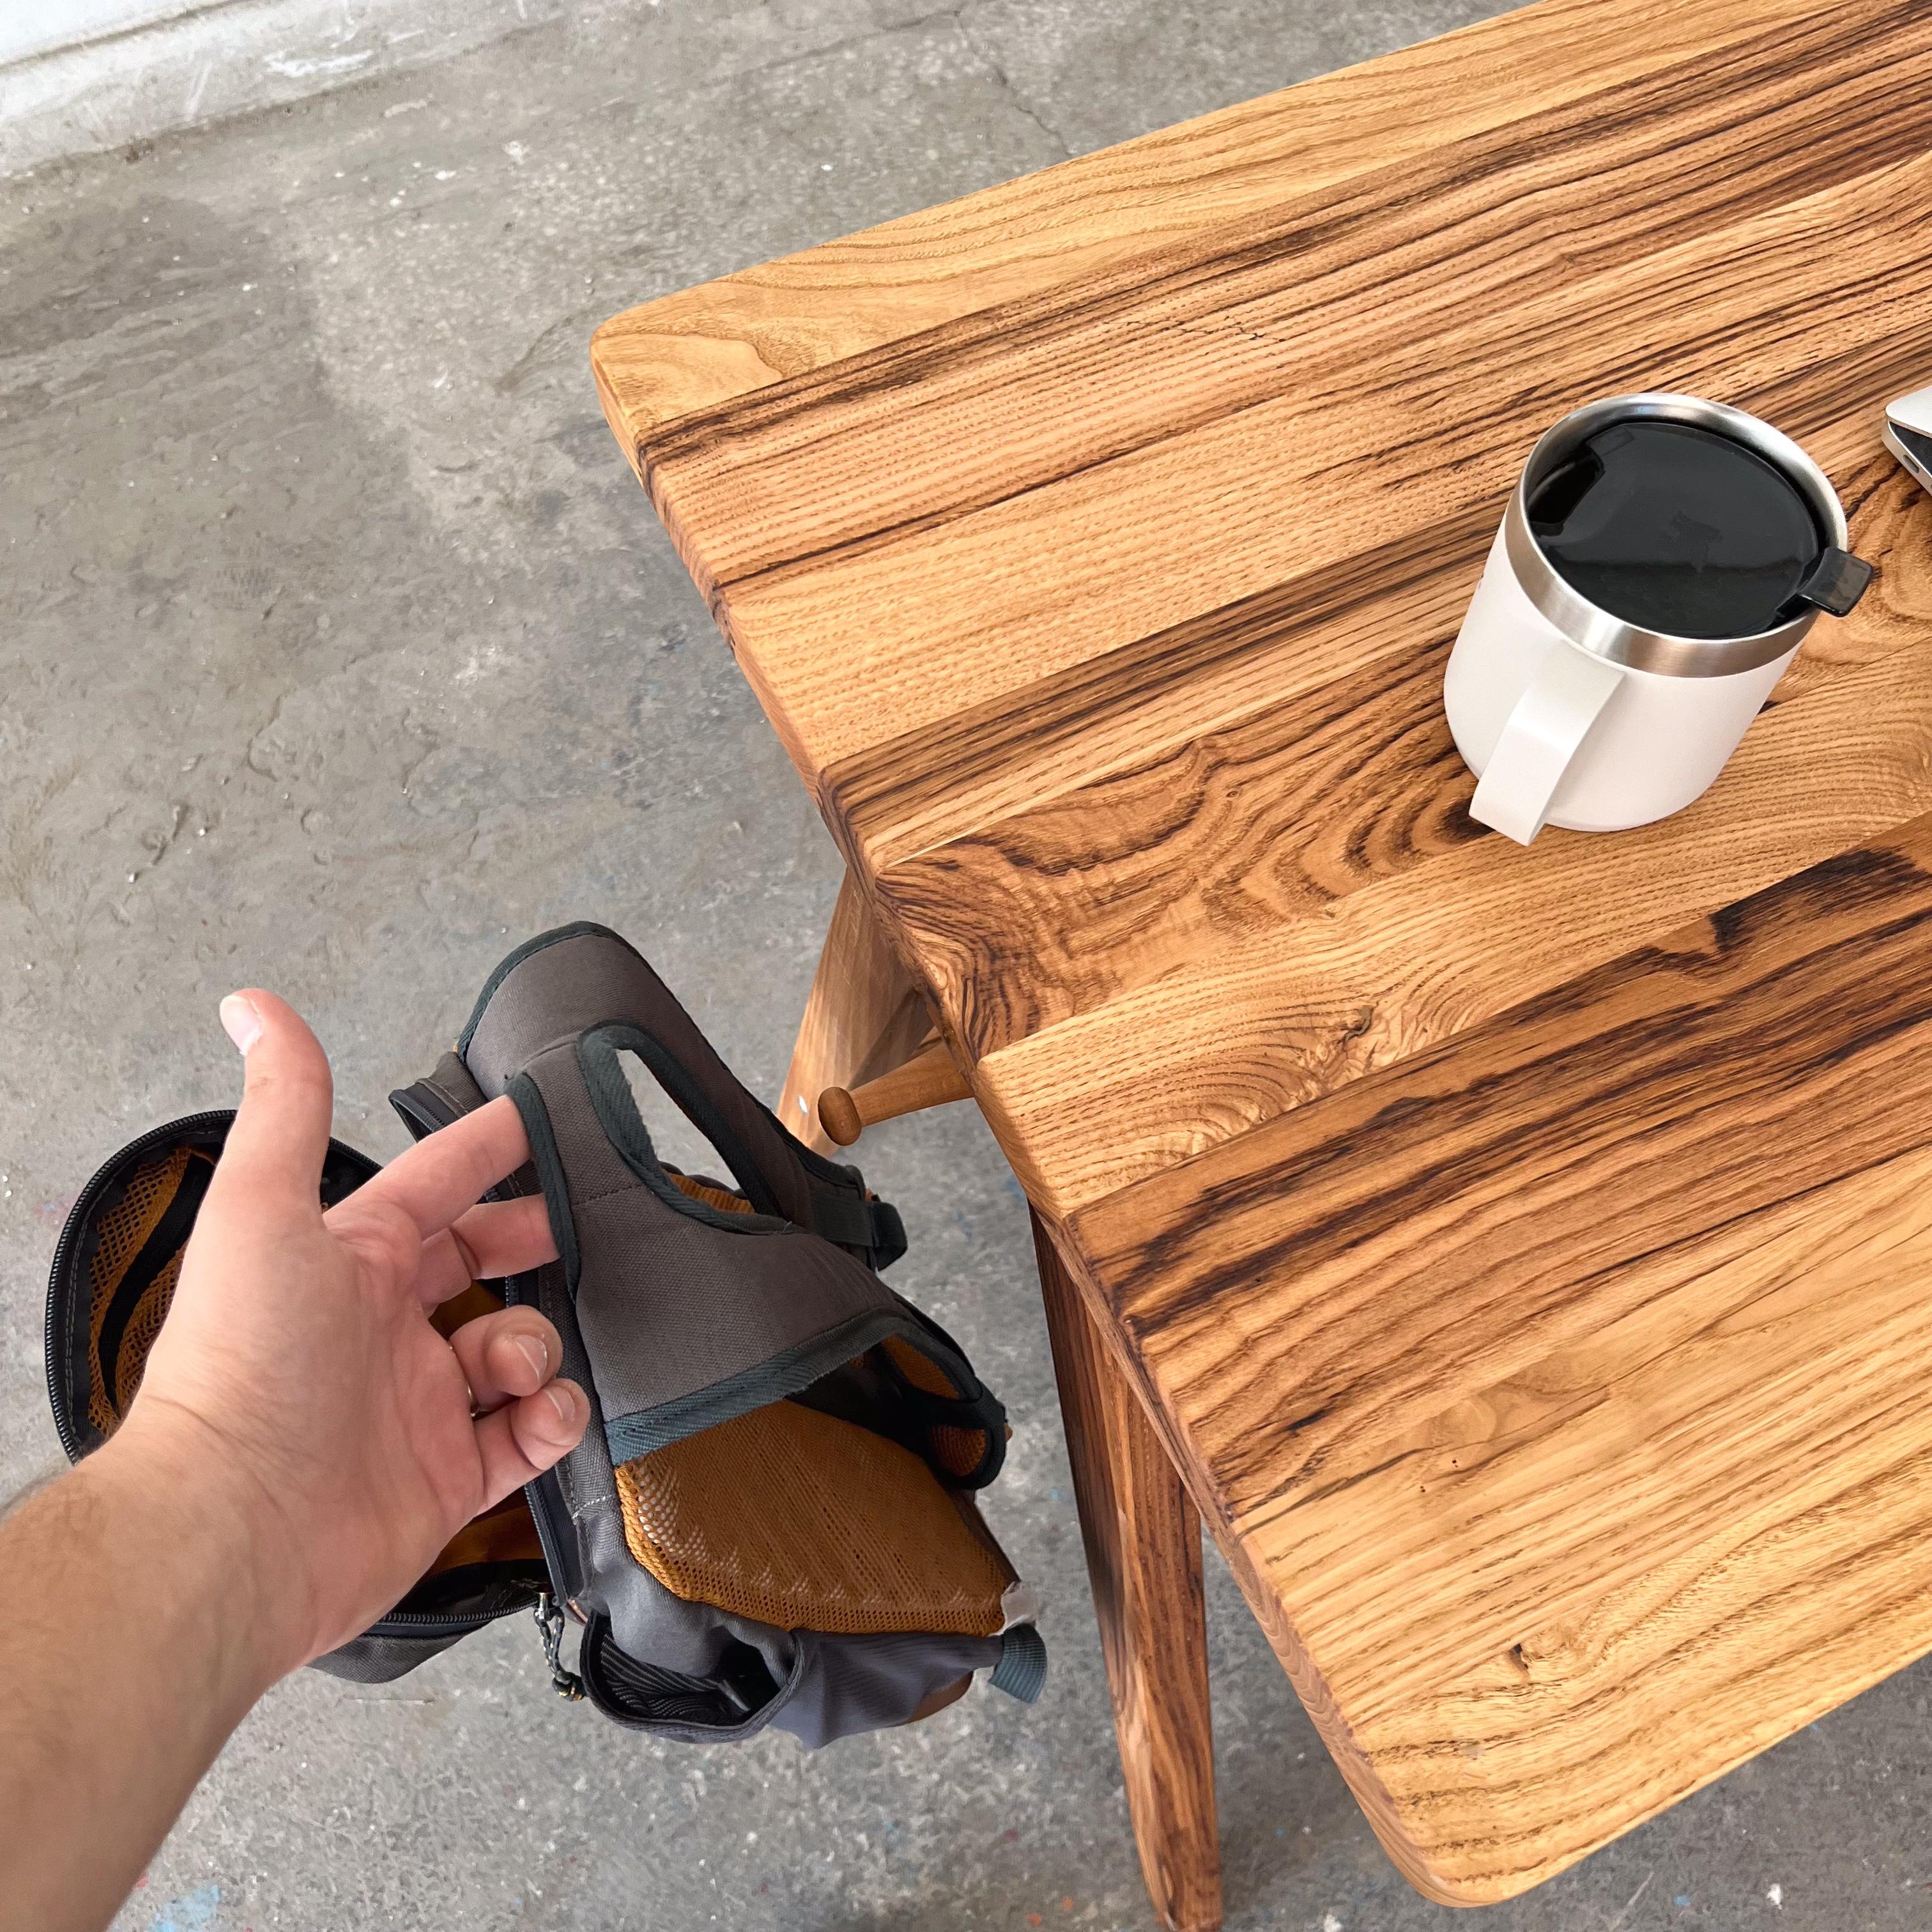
564 1398
536 1354
240 1021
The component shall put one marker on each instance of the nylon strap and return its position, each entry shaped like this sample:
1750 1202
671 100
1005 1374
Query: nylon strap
846 1216
1021 1672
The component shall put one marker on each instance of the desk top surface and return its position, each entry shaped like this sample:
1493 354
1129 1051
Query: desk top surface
1524 1251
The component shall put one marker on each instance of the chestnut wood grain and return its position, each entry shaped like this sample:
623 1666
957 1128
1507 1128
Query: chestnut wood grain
863 1017
1609 1317
1143 1542
1518 1251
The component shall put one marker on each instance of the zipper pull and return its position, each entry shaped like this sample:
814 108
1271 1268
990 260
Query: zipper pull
566 1683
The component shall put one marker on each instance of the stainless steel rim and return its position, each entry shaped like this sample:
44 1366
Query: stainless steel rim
1593 629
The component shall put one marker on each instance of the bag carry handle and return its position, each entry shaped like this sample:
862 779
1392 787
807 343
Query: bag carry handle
1543 735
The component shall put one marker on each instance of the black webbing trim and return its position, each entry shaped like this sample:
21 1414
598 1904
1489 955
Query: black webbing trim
842 1212
1021 1672
889 1234
582 928
846 1218
421 1109
616 1107
790 1372
545 1158
691 1100
982 1413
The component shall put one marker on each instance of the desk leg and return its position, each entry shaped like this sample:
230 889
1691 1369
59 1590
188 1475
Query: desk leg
864 1018
1143 1539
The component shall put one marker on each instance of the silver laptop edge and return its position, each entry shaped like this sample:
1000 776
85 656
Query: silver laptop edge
1908 433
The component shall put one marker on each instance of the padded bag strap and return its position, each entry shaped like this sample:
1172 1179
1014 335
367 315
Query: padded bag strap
592 979
690 1315
438 1098
963 1436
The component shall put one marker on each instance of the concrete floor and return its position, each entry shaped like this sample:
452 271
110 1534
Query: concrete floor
340 651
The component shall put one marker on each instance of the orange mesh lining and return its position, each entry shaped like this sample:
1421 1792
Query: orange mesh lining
121 1234
920 1370
142 1326
962 1451
797 1519
720 1197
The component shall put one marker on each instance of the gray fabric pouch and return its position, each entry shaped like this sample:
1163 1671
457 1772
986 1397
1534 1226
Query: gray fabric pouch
769 1520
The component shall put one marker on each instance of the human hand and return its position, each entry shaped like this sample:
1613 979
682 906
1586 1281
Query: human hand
297 1385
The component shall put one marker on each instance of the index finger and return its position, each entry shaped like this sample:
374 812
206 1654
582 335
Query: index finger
450 1171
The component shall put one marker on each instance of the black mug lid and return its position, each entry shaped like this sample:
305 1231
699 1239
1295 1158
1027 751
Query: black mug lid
1678 528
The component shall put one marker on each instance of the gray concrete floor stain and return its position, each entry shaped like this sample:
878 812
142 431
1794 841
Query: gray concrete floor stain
341 652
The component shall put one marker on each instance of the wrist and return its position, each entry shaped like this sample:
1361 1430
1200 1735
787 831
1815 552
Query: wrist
210 1545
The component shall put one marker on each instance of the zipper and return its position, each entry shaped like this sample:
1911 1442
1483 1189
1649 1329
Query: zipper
547 1539
439 1623
550 1533
564 1682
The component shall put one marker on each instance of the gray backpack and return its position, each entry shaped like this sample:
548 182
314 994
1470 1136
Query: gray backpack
769 1520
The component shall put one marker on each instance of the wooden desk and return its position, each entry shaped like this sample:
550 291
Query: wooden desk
1521 1254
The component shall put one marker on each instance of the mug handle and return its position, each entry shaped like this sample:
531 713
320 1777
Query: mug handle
1549 723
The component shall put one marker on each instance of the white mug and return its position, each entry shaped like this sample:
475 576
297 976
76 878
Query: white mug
1570 715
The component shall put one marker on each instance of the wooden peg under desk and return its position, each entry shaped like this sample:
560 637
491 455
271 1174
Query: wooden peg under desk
929 1078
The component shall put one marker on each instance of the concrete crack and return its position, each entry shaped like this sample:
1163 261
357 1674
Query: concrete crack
955 16
431 742
159 844
997 68
1631 1904
843 45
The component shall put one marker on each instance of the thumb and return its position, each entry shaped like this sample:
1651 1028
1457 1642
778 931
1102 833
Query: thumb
276 1148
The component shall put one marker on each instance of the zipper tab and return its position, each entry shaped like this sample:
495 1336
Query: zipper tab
566 1683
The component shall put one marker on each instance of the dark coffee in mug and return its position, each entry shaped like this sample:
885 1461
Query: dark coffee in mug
1676 529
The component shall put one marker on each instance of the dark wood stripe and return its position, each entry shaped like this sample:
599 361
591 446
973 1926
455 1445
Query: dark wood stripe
1097 887
1235 832
1881 345
1041 723
1794 113
1776 1047
1843 47
1543 1353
